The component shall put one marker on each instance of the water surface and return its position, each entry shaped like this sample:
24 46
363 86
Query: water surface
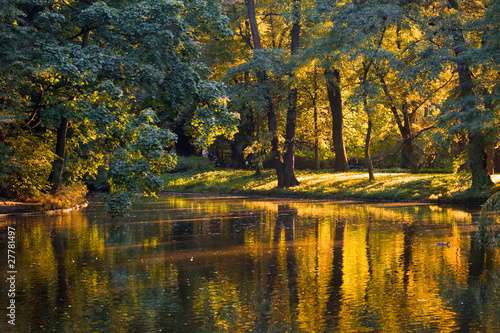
224 264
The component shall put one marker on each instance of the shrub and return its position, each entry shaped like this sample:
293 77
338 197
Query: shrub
304 159
65 197
193 164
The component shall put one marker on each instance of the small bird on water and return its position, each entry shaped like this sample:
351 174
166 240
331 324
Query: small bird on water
448 244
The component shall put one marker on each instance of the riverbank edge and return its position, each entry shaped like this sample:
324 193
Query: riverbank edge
473 204
45 212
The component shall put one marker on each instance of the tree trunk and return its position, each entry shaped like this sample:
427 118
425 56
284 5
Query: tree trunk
273 129
271 113
478 162
253 24
289 178
314 96
368 158
335 99
237 155
58 164
291 118
317 164
408 159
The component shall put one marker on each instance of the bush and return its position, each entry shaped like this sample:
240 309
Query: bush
304 159
65 197
193 164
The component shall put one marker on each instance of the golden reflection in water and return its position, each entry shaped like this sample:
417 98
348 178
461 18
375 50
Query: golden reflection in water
315 258
210 264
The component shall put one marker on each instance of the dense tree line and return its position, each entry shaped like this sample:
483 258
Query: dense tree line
126 85
418 79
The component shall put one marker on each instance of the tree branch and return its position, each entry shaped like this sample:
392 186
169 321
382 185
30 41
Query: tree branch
432 94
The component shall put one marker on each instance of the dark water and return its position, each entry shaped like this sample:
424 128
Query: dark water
195 264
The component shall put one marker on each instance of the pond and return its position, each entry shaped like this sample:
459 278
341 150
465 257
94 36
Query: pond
236 264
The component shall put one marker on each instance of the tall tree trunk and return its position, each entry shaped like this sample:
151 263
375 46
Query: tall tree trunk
271 113
289 178
366 70
408 158
335 99
253 24
368 158
58 164
316 132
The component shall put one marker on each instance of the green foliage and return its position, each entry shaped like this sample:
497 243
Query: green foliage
215 119
114 70
193 164
136 167
25 165
304 159
65 197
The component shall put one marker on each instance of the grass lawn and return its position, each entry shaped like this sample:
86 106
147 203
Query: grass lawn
447 188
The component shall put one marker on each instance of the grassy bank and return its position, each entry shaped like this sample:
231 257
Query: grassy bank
443 188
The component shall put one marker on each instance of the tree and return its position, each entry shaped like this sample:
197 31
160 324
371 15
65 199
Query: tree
84 72
460 29
291 114
262 78
335 99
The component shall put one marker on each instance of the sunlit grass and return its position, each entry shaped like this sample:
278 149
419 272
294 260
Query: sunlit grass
326 184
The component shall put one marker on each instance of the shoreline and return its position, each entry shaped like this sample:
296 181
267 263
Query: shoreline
472 205
389 188
13 205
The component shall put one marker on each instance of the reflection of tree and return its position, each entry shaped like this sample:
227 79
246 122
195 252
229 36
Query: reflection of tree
62 276
471 306
284 226
407 256
184 293
286 220
296 269
116 234
335 301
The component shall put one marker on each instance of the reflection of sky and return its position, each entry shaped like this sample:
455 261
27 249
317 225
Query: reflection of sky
230 264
